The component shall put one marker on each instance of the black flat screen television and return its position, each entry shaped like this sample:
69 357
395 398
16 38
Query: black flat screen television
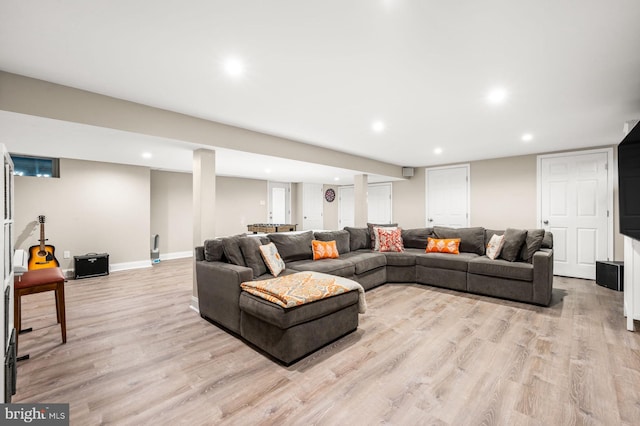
629 183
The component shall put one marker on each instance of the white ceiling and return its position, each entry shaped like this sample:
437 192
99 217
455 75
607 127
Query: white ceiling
322 72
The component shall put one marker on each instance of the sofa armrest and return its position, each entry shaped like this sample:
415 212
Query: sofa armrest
542 276
219 291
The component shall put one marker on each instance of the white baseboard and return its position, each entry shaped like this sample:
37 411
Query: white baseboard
194 304
176 255
114 267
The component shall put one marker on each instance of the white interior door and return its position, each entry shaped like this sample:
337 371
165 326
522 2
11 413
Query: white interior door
379 203
574 206
279 202
448 196
312 206
346 207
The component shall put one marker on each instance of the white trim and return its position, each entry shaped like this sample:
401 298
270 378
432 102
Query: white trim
124 266
611 175
176 255
426 186
194 305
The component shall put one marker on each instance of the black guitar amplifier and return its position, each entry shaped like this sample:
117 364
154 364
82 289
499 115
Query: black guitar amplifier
91 265
610 275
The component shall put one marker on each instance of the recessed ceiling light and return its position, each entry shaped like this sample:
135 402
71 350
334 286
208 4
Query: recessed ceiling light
377 126
437 151
146 155
267 170
497 95
527 137
336 178
234 67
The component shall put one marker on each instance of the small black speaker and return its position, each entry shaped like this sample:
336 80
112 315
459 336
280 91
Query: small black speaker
610 275
91 265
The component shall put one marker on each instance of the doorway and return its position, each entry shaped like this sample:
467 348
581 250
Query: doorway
447 196
575 203
279 202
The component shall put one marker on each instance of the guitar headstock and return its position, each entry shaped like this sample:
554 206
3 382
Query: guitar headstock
41 218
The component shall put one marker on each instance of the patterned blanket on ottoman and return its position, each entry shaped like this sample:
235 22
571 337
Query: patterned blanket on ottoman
303 287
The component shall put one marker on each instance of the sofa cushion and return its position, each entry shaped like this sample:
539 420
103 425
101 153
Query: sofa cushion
365 261
324 249
547 241
358 238
231 248
471 239
416 238
445 261
250 247
513 241
293 247
532 244
340 267
213 250
286 318
501 268
340 237
406 258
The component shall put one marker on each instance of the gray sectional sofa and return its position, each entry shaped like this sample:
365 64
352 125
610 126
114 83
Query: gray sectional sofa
525 274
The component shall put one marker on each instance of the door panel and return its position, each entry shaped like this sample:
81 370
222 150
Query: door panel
312 206
279 202
379 203
448 196
574 202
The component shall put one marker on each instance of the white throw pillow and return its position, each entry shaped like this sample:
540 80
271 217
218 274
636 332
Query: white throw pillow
495 246
272 258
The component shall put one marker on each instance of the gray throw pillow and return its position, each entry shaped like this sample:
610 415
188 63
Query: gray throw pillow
232 250
213 250
547 241
250 247
417 238
340 237
471 239
513 241
293 247
532 244
358 238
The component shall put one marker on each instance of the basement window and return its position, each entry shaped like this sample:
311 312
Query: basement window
25 165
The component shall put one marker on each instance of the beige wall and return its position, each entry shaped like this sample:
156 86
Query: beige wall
92 207
503 192
171 211
409 200
330 211
239 202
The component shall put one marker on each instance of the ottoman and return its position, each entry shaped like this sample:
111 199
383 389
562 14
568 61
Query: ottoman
288 334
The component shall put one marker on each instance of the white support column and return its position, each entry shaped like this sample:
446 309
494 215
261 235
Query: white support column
631 281
204 203
361 206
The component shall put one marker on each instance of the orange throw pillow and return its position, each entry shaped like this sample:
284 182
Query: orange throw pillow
324 250
447 245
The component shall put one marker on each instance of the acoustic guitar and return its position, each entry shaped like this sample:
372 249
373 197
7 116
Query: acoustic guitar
42 256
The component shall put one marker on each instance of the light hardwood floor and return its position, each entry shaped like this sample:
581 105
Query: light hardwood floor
137 355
